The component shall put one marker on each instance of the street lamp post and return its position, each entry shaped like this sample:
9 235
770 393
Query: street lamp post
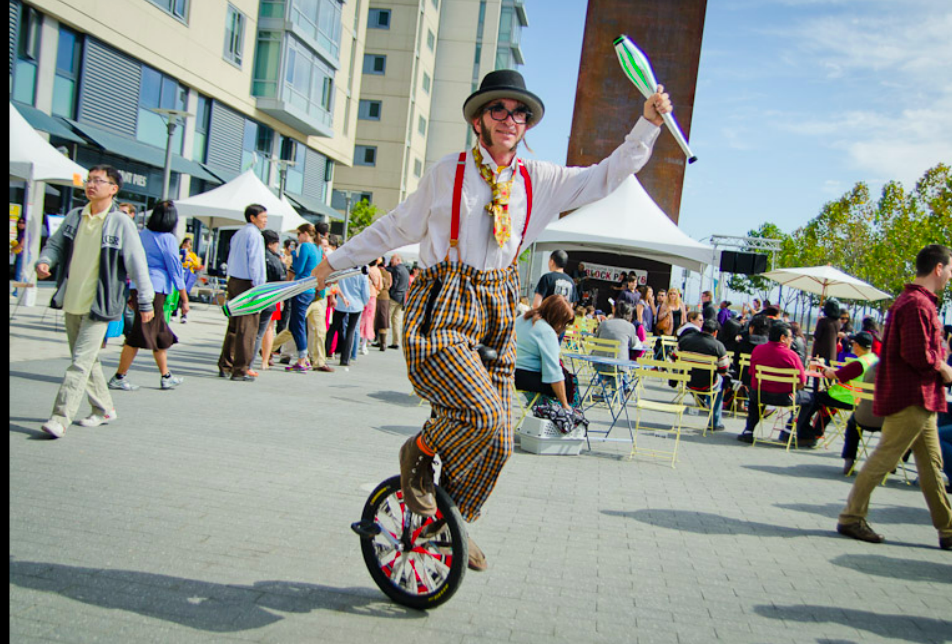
171 120
349 198
283 165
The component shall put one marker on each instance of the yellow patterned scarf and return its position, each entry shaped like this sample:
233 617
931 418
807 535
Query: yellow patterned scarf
498 208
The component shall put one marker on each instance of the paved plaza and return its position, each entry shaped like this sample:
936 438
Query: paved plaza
220 512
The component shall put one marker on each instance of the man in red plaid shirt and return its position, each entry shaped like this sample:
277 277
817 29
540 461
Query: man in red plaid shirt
909 393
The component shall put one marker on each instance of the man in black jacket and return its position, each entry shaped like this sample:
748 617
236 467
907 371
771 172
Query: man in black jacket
398 296
706 343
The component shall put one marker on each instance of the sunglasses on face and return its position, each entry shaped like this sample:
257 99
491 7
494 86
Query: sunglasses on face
520 115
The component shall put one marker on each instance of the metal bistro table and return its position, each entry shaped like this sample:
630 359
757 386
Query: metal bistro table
626 393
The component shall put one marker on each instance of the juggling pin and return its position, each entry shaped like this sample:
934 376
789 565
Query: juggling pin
638 69
258 298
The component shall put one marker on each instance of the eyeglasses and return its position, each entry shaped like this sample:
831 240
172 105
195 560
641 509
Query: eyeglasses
97 182
520 115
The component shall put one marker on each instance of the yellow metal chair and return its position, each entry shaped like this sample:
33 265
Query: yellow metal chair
786 376
866 392
526 401
703 398
743 366
664 371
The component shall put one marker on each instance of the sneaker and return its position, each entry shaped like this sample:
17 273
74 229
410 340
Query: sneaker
477 560
364 350
95 420
416 479
299 368
859 530
184 320
121 383
170 382
54 428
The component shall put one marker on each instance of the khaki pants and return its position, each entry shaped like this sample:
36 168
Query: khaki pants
316 317
912 427
396 323
84 373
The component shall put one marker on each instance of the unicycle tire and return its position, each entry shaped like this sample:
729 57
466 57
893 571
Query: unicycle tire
418 562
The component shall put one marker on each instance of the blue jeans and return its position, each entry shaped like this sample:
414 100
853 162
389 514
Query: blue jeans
298 322
945 442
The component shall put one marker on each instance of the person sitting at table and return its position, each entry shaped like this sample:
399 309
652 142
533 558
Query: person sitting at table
692 325
619 327
775 353
537 350
706 343
839 395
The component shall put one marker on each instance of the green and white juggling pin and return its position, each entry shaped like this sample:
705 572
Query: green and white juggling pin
638 69
258 298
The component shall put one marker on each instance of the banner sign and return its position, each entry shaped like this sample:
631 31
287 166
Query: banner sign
613 273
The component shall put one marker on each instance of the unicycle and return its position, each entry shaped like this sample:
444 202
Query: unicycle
416 561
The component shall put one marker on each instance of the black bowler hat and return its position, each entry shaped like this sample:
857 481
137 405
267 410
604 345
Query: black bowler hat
504 83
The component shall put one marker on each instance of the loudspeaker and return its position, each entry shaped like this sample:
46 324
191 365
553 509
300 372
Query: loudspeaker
743 263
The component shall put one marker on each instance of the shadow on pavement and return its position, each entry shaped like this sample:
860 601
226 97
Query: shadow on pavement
33 433
892 514
911 629
400 430
804 470
37 376
707 523
207 606
401 398
893 568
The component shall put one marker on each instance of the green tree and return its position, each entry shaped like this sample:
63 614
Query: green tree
362 214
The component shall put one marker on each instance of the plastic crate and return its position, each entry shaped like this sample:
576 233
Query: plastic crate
540 436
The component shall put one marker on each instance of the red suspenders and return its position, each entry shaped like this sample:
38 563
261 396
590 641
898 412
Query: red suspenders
457 198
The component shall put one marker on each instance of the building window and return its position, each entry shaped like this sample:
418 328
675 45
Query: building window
158 90
292 150
319 20
28 52
436 4
202 122
504 57
421 126
308 81
375 64
426 82
178 8
417 168
379 19
234 36
267 64
68 57
369 110
365 155
256 148
430 40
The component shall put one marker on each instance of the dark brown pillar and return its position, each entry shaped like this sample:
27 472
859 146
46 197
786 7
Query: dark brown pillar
607 104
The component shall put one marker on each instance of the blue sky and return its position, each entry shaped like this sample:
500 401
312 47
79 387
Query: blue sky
797 100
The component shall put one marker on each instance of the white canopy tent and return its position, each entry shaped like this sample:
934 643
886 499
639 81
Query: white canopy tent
35 161
627 222
225 205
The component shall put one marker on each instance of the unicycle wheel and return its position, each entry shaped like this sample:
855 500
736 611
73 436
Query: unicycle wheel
416 561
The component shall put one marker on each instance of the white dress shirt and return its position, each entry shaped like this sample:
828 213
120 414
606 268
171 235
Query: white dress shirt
425 216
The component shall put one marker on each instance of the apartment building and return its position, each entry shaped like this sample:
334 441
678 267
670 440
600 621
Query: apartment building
264 80
422 59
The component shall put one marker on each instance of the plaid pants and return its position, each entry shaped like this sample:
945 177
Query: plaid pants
451 308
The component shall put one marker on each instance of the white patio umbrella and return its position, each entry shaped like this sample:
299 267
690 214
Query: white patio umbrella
826 281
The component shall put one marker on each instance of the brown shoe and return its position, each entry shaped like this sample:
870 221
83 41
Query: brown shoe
325 368
477 560
416 479
860 530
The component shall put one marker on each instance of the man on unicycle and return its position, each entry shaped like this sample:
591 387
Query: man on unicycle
471 214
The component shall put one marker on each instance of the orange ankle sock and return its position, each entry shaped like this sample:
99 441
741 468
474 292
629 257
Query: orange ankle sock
424 447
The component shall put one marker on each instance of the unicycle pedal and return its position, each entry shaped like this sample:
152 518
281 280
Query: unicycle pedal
416 561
